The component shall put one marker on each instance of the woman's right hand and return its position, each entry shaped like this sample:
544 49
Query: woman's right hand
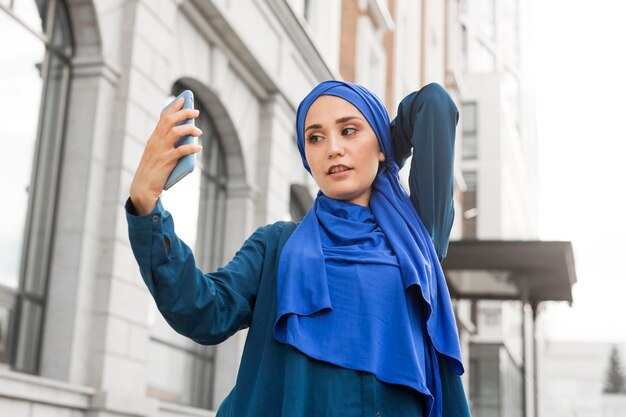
160 156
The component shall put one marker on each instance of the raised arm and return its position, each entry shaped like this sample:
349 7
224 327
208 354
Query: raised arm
426 124
207 308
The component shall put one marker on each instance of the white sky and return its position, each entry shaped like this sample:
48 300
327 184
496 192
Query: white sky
579 51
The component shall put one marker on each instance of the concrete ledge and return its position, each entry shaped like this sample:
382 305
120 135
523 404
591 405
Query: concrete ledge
176 410
36 389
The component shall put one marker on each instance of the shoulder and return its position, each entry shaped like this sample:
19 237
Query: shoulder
274 232
270 238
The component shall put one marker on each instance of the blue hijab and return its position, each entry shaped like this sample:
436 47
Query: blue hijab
305 297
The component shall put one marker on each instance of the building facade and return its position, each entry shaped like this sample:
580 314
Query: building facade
499 163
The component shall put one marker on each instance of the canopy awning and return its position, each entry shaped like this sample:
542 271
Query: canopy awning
531 271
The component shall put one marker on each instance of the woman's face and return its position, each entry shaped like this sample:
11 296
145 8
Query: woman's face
341 149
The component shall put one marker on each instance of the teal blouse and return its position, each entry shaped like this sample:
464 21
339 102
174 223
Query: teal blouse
274 379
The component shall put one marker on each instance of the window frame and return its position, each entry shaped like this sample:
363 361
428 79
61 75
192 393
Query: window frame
24 355
470 129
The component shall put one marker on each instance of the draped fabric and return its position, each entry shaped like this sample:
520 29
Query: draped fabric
344 299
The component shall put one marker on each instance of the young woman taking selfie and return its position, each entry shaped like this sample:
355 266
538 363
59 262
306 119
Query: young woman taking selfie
348 310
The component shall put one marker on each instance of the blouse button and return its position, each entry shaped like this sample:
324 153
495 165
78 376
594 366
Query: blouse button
155 218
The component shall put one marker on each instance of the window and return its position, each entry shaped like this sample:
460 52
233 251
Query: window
470 122
485 380
469 114
307 9
470 211
34 79
180 370
511 385
495 382
464 49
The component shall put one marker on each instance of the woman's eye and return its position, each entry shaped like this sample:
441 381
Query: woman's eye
348 131
314 138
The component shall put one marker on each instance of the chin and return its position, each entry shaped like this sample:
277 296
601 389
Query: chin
340 195
348 196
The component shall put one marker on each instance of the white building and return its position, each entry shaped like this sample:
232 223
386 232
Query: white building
498 260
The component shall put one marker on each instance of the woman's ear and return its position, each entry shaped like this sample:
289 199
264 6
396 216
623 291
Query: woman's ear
381 156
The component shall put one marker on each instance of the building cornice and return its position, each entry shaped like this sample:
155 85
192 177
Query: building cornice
220 33
302 40
214 26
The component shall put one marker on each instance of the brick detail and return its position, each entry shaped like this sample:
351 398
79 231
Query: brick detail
347 53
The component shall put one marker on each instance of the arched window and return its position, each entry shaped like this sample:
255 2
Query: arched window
35 56
180 370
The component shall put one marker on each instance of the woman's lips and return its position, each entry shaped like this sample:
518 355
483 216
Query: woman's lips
340 174
339 168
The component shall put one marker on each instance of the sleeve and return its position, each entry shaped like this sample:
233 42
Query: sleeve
207 308
426 124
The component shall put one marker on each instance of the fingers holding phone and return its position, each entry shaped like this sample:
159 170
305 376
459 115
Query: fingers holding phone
169 154
186 163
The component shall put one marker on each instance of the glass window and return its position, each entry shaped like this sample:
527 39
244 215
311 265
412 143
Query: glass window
512 385
470 211
470 178
307 9
464 49
34 81
7 299
181 370
485 380
20 79
470 122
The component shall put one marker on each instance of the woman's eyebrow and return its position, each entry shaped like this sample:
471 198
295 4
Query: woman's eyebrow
315 126
347 118
338 121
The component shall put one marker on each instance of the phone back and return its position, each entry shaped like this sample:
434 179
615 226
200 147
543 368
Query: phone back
186 164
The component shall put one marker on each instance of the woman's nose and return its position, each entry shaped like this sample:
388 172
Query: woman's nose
335 147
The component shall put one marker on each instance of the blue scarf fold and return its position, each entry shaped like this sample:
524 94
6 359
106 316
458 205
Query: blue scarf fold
332 235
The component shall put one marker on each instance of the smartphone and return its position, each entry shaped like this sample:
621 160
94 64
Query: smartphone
186 164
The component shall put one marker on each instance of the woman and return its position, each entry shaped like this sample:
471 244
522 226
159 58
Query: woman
348 311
